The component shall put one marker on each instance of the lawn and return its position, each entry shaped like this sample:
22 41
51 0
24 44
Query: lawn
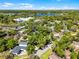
16 57
25 56
21 57
46 54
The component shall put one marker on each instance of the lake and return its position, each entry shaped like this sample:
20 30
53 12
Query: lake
46 14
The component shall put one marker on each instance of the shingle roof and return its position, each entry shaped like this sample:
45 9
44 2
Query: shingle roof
23 43
22 46
17 49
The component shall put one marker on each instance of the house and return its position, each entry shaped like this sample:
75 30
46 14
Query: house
22 19
23 44
5 28
18 49
11 27
38 20
57 21
52 28
20 27
56 35
76 45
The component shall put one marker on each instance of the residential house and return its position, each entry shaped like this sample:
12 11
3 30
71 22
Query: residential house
18 49
22 19
76 45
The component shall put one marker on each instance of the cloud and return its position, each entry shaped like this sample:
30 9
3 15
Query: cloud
6 4
69 7
42 8
57 8
15 6
25 4
28 6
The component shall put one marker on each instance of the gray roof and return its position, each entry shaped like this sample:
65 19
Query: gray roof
23 43
22 46
17 49
19 27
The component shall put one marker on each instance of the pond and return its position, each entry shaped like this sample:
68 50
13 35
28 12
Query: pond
46 14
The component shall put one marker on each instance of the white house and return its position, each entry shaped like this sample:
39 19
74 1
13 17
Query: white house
22 19
56 34
23 44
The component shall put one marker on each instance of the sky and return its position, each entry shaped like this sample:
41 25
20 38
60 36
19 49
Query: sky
38 4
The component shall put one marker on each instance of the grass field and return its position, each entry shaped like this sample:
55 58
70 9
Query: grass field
46 54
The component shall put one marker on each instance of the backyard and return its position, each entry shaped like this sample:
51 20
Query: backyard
46 54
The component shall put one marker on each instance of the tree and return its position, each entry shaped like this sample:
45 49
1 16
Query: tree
59 51
11 32
30 48
58 27
2 44
36 57
2 33
73 55
78 55
32 56
2 48
10 56
11 43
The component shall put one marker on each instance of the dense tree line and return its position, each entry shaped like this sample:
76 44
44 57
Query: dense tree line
6 44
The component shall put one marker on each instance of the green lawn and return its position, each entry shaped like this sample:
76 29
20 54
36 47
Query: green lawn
46 54
20 57
25 56
16 57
